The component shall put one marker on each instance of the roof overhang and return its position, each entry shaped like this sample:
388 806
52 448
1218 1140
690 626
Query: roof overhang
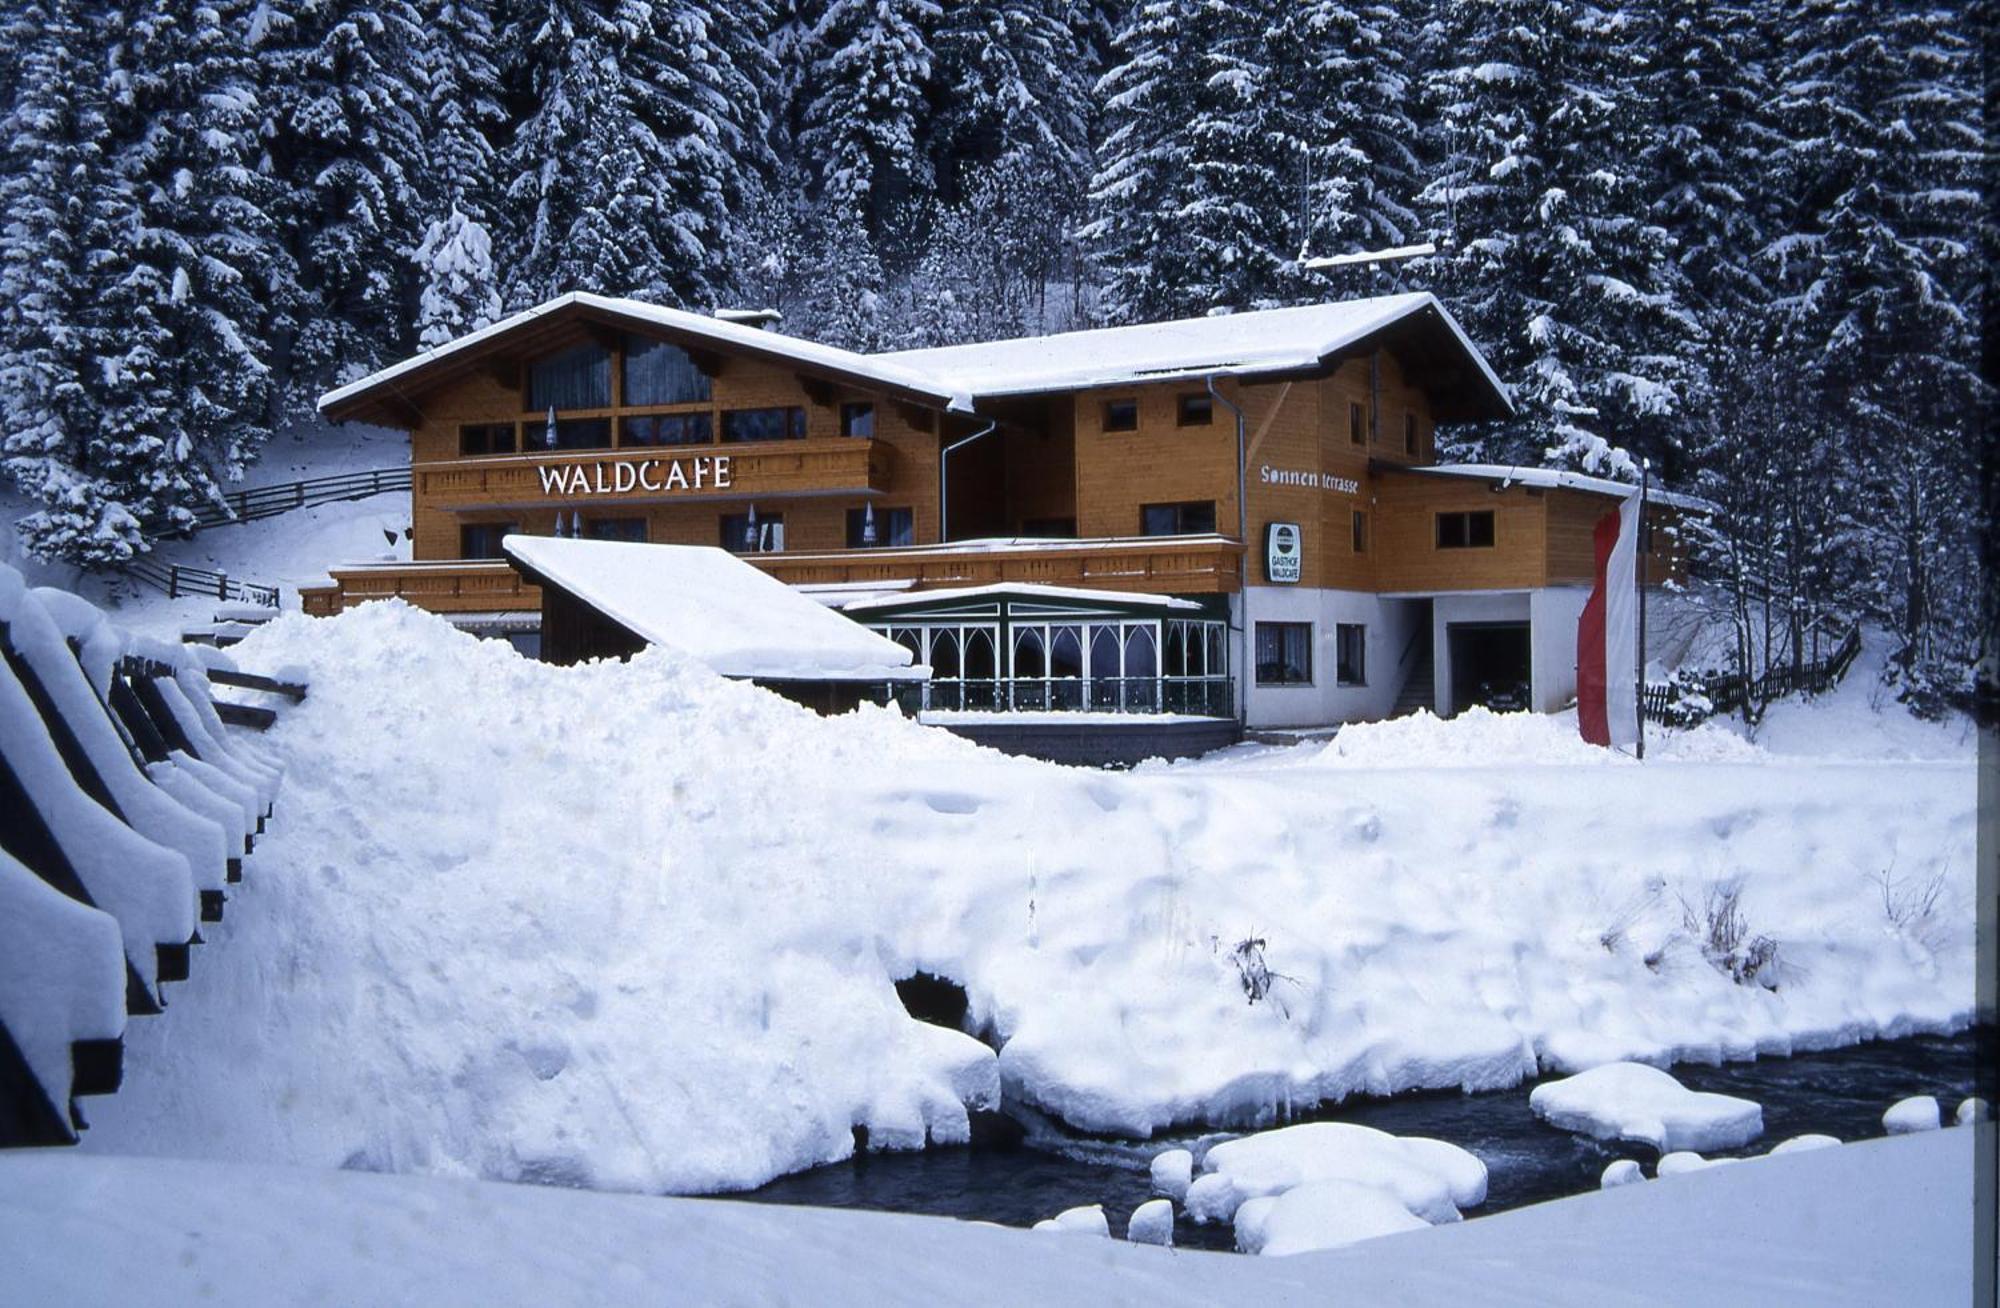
393 396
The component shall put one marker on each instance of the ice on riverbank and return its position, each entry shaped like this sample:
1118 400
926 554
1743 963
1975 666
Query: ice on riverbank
1631 1101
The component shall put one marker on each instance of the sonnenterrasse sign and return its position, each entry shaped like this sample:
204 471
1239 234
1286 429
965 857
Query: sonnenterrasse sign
700 472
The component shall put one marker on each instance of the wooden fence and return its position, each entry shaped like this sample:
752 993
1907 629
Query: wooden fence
1665 704
284 497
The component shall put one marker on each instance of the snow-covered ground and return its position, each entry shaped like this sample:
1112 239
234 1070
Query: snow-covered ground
292 550
630 926
1881 1222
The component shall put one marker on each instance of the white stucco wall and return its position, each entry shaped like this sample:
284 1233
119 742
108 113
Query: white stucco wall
1323 703
1553 613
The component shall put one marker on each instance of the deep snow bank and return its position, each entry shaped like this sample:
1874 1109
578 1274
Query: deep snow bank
633 926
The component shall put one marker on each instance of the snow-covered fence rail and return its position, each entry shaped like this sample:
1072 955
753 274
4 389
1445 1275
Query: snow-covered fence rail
285 497
1679 702
178 579
125 812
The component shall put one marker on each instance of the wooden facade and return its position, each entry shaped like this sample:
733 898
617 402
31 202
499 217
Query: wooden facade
1126 486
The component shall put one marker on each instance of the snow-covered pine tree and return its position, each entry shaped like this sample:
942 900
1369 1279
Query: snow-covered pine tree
343 134
620 177
1190 203
51 332
1557 267
861 133
1343 102
1012 84
1879 108
190 257
458 285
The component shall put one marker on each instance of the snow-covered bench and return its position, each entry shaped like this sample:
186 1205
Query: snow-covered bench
125 809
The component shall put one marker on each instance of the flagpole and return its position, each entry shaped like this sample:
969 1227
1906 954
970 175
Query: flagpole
1643 544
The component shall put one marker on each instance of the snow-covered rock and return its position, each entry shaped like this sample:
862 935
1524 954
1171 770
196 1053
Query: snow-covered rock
1212 1198
1152 1223
1970 1111
1087 1219
1681 1162
1172 1172
1631 1101
1907 1116
1803 1143
1320 1215
1622 1172
1431 1178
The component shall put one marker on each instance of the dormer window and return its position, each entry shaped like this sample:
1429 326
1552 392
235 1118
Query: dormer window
578 378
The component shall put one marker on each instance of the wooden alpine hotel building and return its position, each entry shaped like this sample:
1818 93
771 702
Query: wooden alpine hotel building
1237 516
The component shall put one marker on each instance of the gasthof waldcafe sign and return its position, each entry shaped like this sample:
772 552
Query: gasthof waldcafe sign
650 476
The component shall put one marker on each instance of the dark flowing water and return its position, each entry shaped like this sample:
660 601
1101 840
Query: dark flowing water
1017 1182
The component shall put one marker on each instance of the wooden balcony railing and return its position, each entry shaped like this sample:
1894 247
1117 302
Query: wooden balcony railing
645 475
1204 565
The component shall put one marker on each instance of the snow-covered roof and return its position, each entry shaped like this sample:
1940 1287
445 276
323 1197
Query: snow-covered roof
1237 344
714 607
1031 591
957 376
1557 478
737 336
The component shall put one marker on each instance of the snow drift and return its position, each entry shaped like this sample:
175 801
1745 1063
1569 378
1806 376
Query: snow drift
629 925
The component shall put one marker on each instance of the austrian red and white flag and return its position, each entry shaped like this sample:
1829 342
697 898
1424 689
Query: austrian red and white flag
1607 635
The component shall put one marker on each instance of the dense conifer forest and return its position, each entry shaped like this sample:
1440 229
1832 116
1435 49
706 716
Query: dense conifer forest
1742 239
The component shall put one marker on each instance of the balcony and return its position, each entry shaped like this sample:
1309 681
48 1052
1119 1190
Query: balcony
472 586
656 475
1178 565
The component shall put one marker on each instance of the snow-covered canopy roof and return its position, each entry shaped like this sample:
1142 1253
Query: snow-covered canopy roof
1026 592
1237 344
1262 343
714 607
1511 474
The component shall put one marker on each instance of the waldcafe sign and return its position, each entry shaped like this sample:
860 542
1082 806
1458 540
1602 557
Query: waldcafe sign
652 476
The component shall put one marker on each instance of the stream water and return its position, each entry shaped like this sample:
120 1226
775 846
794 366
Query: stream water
1019 1177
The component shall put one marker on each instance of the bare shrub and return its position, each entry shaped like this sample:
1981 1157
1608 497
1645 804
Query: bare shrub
1910 904
1717 924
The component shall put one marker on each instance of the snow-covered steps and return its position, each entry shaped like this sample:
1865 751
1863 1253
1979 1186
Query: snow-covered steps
125 809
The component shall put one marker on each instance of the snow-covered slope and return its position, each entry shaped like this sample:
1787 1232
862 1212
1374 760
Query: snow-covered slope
1882 1222
632 926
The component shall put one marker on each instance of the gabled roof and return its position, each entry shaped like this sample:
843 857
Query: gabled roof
1238 344
714 607
420 370
1268 342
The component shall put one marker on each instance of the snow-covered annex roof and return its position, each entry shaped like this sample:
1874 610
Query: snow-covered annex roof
1265 342
1512 474
714 607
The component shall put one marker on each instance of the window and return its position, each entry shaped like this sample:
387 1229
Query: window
884 527
579 378
1357 423
1350 652
1284 653
741 534
667 429
481 540
764 425
659 373
631 529
1409 433
1360 532
486 438
1197 410
1464 531
857 420
1194 518
1048 528
1121 415
574 434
